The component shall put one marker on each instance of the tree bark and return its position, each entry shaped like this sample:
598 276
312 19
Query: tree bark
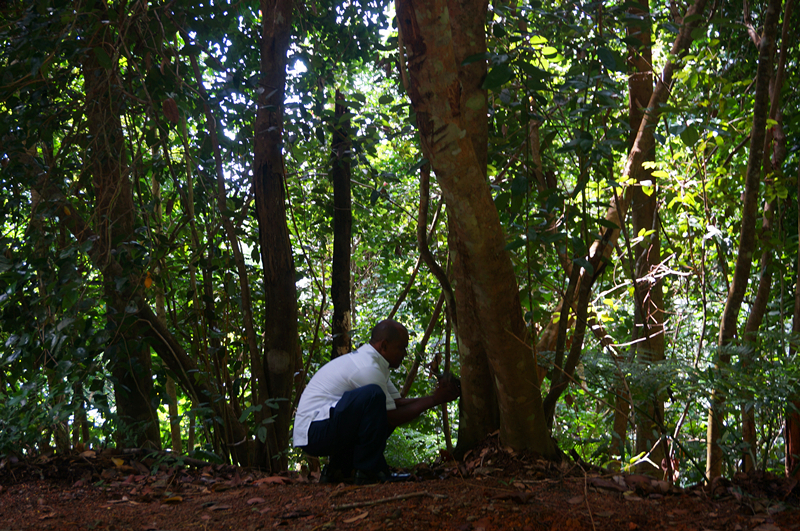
281 348
600 251
436 93
649 298
341 153
114 221
759 308
744 257
149 327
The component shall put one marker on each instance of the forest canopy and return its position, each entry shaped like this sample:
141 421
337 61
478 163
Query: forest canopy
588 211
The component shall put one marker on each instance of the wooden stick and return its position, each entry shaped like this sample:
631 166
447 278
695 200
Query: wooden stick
386 500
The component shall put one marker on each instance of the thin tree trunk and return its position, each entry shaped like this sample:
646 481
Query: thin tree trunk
603 246
404 293
759 308
420 353
744 257
792 413
147 325
281 348
115 221
161 313
342 229
649 305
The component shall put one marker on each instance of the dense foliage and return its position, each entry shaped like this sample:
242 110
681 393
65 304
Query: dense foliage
558 98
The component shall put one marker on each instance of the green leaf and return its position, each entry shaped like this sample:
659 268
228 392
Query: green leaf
516 244
607 224
497 77
477 57
690 136
102 58
64 323
385 99
608 58
191 49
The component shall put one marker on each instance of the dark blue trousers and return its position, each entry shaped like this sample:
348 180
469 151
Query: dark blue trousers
355 434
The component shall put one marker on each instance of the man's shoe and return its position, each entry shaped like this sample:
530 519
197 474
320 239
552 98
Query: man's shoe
332 475
371 477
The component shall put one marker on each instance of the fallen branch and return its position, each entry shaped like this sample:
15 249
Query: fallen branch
386 500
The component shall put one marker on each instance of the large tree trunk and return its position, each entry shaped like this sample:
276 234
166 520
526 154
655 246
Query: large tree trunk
114 220
342 229
744 257
281 348
435 88
648 294
479 411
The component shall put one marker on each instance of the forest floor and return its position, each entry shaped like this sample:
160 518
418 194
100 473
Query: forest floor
492 488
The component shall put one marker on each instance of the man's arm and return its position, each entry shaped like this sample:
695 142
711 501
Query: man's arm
410 408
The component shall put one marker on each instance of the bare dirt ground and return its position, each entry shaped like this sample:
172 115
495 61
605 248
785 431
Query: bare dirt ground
491 489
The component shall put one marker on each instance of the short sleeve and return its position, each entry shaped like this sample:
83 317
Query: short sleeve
393 392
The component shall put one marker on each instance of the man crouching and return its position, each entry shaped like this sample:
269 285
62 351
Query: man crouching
350 407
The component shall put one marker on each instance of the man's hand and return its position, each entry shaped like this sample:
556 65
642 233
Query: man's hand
407 409
448 389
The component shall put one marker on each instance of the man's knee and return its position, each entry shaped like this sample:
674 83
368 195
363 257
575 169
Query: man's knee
367 398
371 391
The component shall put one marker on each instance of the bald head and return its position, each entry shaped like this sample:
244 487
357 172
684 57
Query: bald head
388 330
390 339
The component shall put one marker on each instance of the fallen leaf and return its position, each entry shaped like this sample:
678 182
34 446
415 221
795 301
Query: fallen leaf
767 527
575 500
516 496
601 483
88 454
356 518
219 507
173 500
278 480
294 514
117 461
255 501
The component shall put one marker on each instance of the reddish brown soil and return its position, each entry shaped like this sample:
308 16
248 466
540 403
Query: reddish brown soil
490 489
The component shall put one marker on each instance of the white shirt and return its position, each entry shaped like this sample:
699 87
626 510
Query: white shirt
363 367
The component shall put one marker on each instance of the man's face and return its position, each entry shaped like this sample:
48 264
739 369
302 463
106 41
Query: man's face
395 351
